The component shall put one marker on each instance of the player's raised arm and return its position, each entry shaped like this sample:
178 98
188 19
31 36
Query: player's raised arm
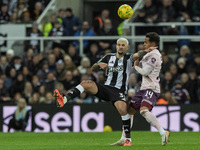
141 53
97 66
145 70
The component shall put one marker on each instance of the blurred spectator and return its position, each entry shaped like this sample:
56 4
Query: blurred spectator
21 8
83 98
69 64
167 82
58 52
18 84
60 71
4 16
71 23
133 83
35 83
7 81
34 66
48 26
49 98
34 44
27 74
13 74
183 7
181 65
174 71
180 94
167 61
98 21
196 64
193 85
9 55
68 82
196 8
166 99
148 13
26 19
84 31
14 19
17 64
4 66
42 73
183 31
50 83
93 53
28 91
166 12
16 97
185 53
42 91
34 99
61 15
85 63
37 11
20 116
58 31
4 95
28 56
52 62
107 30
74 55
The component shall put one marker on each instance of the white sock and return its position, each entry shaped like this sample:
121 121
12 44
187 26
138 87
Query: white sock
151 118
80 88
161 131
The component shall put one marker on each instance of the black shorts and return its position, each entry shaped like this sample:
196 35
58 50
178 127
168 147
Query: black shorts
109 93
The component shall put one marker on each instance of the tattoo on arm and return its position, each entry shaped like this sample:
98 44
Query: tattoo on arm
141 54
95 67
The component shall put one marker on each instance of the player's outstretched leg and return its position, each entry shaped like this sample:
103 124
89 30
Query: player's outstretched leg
86 85
150 117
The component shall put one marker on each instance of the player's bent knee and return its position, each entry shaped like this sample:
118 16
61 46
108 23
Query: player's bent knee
143 112
88 85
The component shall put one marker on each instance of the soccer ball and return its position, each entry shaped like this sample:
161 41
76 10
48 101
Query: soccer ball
125 11
107 128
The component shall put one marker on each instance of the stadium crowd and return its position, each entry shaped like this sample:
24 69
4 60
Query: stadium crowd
35 75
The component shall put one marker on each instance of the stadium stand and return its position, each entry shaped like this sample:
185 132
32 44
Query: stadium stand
50 58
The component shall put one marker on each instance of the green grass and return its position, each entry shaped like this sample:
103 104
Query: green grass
96 141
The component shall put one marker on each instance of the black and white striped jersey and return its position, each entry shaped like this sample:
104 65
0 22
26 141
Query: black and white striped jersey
118 70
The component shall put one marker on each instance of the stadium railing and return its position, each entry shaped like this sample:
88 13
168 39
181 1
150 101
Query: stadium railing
131 38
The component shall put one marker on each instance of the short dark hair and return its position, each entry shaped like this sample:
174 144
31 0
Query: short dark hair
153 37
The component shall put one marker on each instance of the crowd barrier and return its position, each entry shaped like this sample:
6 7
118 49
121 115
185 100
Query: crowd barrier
93 118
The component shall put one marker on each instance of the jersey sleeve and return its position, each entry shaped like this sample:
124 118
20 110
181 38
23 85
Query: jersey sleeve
153 60
104 59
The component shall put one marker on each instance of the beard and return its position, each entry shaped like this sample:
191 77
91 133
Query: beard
120 53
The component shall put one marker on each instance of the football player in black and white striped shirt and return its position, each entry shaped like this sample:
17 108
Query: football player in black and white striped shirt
117 66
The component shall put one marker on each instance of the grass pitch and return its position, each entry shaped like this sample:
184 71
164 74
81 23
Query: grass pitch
96 141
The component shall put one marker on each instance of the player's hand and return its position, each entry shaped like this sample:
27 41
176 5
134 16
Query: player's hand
136 62
103 65
150 49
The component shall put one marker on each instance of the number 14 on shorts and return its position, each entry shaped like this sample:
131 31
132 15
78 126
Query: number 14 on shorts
149 94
